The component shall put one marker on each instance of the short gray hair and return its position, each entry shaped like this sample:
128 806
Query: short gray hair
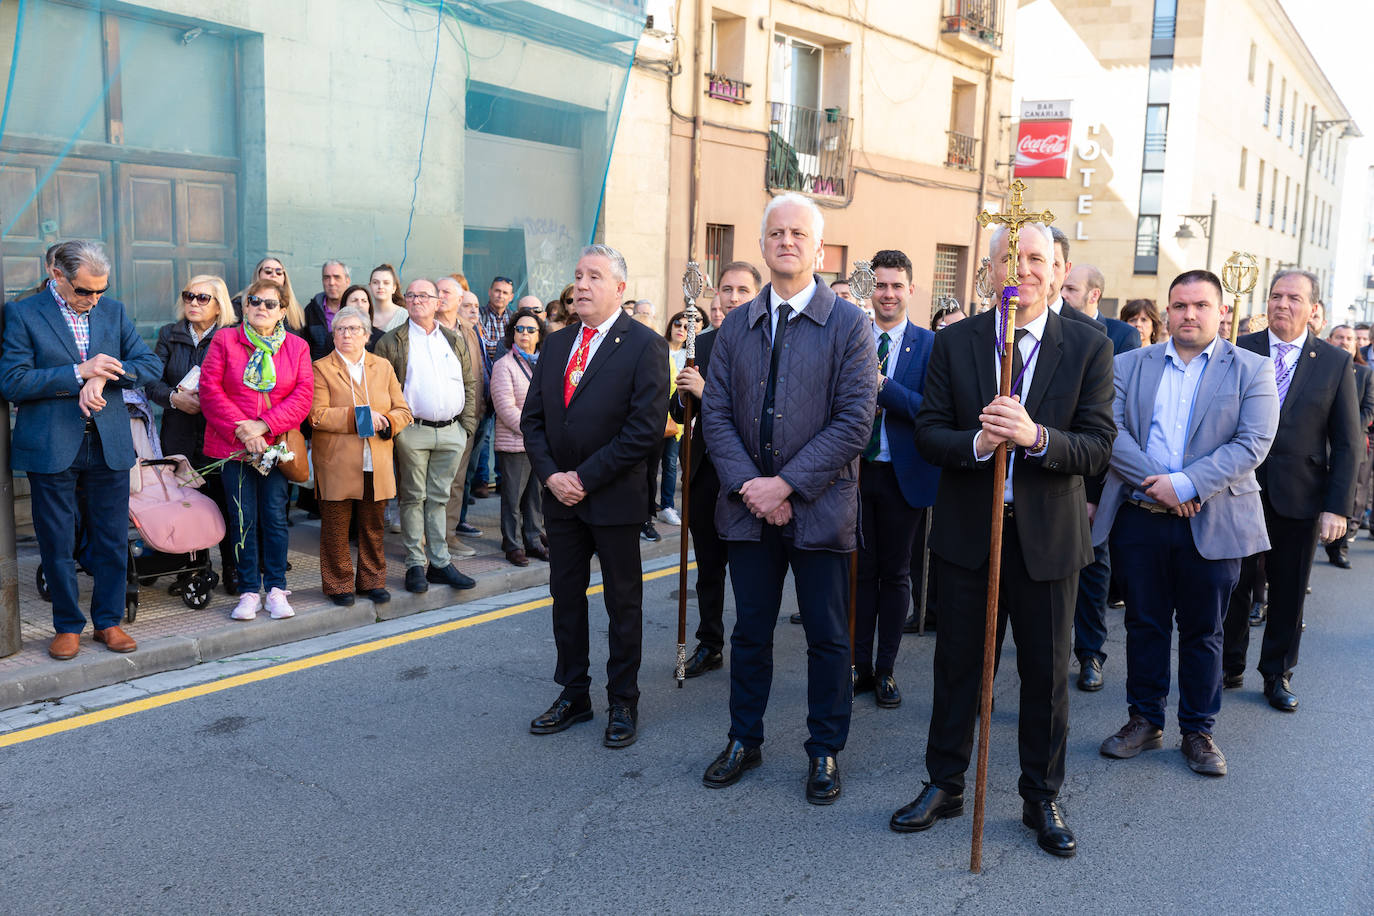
69 257
333 262
352 311
1000 233
617 260
1312 278
801 200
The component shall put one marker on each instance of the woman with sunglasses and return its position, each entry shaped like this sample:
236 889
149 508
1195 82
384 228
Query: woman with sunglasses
676 334
522 510
389 309
272 270
255 384
202 309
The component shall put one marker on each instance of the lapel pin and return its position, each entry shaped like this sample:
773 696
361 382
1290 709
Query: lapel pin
1313 354
617 340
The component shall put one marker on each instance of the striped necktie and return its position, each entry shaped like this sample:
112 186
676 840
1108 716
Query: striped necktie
1283 373
875 440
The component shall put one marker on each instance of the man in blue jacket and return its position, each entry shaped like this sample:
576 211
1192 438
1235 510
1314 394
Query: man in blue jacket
896 485
68 355
788 408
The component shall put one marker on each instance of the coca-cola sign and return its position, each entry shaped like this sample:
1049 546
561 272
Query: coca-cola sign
1042 149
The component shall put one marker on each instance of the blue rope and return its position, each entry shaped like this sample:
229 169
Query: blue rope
610 150
14 66
424 129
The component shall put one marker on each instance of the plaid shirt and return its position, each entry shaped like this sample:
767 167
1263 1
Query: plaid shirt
79 323
492 329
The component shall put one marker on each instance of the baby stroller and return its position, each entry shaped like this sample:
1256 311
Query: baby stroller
174 525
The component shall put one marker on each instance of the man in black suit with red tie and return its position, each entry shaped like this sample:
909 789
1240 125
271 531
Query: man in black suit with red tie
594 412
1058 425
1307 482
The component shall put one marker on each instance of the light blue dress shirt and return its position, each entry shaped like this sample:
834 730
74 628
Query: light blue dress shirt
894 340
1173 414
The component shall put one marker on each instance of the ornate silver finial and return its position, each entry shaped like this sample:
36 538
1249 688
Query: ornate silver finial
862 280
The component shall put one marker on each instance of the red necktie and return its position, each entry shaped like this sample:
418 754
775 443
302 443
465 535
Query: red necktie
577 365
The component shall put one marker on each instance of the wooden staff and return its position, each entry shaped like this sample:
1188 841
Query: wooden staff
861 282
692 285
1014 219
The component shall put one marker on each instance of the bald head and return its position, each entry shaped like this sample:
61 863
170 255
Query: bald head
1083 287
530 302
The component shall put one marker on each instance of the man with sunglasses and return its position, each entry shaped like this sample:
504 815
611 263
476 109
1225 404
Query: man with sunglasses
68 353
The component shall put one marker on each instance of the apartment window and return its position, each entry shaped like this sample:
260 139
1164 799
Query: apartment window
1273 198
1147 245
1161 75
1283 225
1283 92
963 108
1268 90
1250 73
724 78
1297 207
1242 166
808 139
796 72
948 266
720 249
1259 192
1293 122
1302 135
1156 136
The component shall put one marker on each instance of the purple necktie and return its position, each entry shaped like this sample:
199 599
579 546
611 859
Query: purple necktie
1283 374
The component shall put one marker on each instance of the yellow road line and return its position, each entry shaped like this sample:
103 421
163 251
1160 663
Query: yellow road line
301 664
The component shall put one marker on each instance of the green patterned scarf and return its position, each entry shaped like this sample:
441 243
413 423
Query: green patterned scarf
261 374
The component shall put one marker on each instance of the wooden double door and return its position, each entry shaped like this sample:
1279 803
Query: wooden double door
161 224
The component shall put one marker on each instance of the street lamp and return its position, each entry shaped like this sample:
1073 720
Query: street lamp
1206 222
1313 137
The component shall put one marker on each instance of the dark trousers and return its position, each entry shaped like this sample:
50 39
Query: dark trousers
1164 577
758 570
97 497
918 557
1041 615
571 545
1090 614
257 517
522 502
476 447
214 488
1288 564
884 595
711 557
651 473
337 575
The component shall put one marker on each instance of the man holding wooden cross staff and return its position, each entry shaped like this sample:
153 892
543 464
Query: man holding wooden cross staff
1054 415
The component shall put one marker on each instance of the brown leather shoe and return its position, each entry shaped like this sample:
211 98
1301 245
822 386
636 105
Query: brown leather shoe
517 558
1203 754
64 646
116 640
1135 736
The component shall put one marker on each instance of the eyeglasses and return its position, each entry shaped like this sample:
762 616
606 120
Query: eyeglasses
525 329
496 280
538 310
418 297
198 298
348 330
83 292
273 271
261 303
679 323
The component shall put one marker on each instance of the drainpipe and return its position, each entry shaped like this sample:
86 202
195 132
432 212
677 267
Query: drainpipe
9 558
694 209
982 188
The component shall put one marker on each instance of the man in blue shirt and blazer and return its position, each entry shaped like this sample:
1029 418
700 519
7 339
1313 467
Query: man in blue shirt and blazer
68 355
896 485
1195 416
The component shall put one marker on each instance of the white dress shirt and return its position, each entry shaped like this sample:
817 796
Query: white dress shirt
797 303
1030 355
434 376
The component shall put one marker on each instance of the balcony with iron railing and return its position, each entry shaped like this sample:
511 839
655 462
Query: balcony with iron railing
973 23
962 152
808 150
720 86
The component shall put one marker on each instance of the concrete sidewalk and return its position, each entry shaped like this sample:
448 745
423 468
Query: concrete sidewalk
171 635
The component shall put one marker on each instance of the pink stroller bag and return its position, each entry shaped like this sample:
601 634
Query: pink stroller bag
169 512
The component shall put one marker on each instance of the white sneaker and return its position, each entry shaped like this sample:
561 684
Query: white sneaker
277 606
458 549
668 516
247 608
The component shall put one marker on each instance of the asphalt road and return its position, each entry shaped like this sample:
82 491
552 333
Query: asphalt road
405 781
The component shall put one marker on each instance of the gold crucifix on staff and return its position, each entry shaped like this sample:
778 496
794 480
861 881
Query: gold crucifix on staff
1015 217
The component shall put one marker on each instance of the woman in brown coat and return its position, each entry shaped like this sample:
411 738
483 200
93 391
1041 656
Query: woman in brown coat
358 408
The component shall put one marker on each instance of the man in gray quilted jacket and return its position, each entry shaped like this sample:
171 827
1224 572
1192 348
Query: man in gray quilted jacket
787 410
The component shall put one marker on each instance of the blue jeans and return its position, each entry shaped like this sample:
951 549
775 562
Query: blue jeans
1090 616
479 449
88 491
482 451
669 484
257 519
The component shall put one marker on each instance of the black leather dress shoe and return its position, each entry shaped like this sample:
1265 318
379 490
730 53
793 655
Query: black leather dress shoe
730 765
932 804
1053 835
1280 695
621 730
415 580
703 660
823 781
795 618
562 714
1338 559
1232 681
448 575
343 599
1258 611
1090 674
864 683
887 694
539 552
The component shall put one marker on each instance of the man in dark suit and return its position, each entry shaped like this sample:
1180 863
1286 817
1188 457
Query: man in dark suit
739 283
896 485
1308 480
69 355
1058 425
1082 290
593 414
789 407
1195 416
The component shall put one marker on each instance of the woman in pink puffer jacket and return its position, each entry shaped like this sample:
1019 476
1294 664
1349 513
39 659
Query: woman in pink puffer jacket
522 497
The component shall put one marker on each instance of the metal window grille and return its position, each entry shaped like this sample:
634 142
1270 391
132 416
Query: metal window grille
720 249
946 271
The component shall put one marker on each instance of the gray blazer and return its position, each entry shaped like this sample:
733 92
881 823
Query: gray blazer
1235 415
